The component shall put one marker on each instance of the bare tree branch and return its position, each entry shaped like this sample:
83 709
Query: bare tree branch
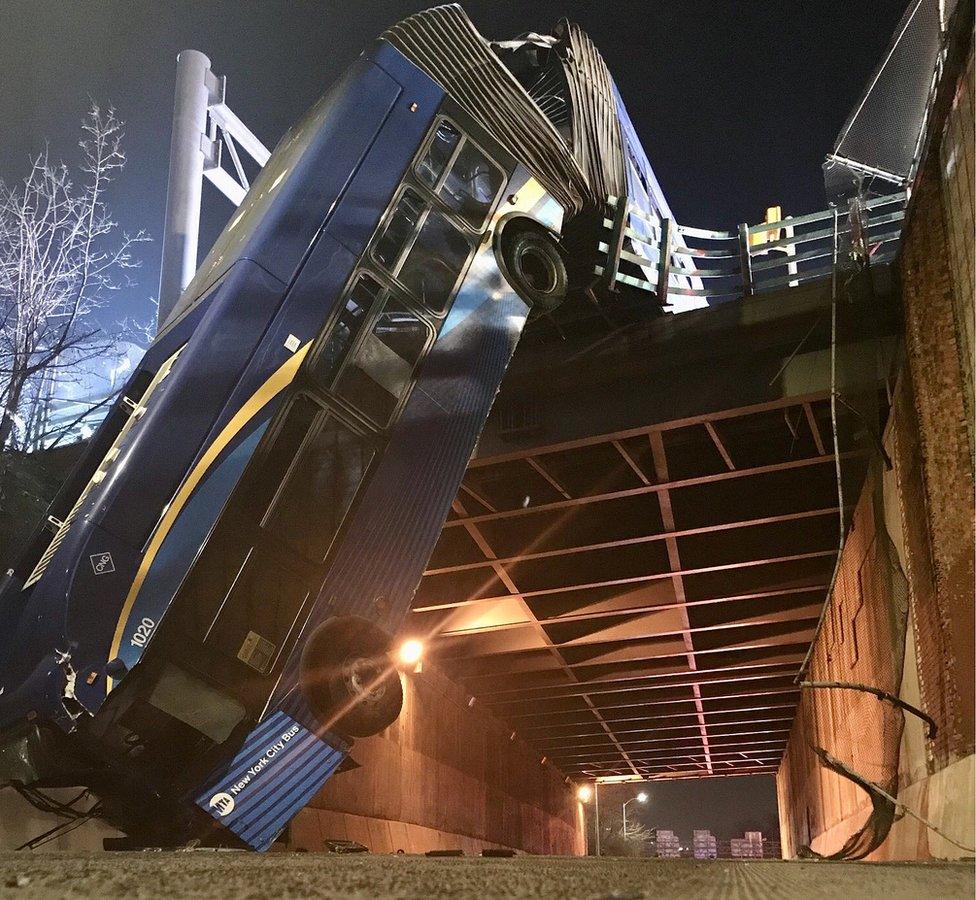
61 257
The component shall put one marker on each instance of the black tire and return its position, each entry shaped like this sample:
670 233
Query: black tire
531 262
348 679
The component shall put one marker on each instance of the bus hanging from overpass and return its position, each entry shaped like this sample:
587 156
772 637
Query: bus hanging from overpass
202 627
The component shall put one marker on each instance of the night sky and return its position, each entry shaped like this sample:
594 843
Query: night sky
737 103
728 807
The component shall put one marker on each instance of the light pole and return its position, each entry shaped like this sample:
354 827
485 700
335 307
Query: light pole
584 794
640 798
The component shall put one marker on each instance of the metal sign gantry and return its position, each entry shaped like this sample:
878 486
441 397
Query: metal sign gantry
203 124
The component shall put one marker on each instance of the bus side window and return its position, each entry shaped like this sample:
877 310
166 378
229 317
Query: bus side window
472 186
427 261
400 227
320 488
439 153
461 175
355 311
434 262
380 373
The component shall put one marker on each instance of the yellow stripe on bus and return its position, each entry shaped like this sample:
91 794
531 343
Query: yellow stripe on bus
274 385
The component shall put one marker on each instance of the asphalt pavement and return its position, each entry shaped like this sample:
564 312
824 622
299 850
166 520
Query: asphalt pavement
222 874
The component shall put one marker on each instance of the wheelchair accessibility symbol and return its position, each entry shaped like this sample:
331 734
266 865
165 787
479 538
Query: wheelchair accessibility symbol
102 563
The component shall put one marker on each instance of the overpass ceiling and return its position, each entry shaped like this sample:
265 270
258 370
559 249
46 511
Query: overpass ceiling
639 602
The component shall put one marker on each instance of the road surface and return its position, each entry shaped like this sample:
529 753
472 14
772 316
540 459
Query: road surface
284 875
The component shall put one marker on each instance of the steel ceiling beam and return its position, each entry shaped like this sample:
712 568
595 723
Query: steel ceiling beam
639 579
755 761
617 679
670 753
644 700
718 675
670 535
814 429
631 742
631 462
722 449
764 649
737 773
629 611
590 663
740 730
504 577
550 727
671 702
810 611
641 431
556 486
673 485
787 720
477 497
458 636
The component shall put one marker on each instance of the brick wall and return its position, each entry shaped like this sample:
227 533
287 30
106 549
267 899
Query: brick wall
940 493
957 161
858 642
924 505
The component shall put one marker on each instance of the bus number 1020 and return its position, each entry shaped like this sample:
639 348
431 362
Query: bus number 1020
142 632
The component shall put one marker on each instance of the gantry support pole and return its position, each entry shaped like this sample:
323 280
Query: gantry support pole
183 194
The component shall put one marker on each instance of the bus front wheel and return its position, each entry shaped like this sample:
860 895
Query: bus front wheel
530 260
348 678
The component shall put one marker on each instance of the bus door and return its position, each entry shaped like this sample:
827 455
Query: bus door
248 592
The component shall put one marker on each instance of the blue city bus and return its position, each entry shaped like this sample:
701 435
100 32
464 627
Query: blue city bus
202 626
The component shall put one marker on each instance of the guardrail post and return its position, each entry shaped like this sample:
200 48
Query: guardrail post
664 259
856 218
745 259
616 244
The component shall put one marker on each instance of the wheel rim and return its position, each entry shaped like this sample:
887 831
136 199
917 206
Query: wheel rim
537 270
364 681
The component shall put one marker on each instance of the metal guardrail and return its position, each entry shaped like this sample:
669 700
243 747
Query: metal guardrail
680 261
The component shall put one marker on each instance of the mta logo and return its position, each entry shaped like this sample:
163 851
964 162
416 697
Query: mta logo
222 804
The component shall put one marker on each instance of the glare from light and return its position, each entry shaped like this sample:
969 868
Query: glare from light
642 797
585 793
410 652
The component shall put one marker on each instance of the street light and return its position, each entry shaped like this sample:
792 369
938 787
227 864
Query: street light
409 656
585 793
640 798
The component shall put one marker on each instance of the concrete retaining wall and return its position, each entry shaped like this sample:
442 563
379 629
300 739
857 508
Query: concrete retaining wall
446 776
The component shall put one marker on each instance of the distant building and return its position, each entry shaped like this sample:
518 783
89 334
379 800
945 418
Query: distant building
704 845
748 847
667 845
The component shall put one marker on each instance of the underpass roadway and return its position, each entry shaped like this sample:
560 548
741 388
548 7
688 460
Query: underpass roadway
222 874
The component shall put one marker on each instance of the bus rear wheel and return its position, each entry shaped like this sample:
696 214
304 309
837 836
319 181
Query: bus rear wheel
532 264
348 679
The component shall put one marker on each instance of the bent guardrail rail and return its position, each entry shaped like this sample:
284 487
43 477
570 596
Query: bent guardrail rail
675 261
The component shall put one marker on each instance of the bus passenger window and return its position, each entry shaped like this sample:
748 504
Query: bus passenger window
438 154
381 372
346 329
280 454
399 229
434 262
320 488
471 186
